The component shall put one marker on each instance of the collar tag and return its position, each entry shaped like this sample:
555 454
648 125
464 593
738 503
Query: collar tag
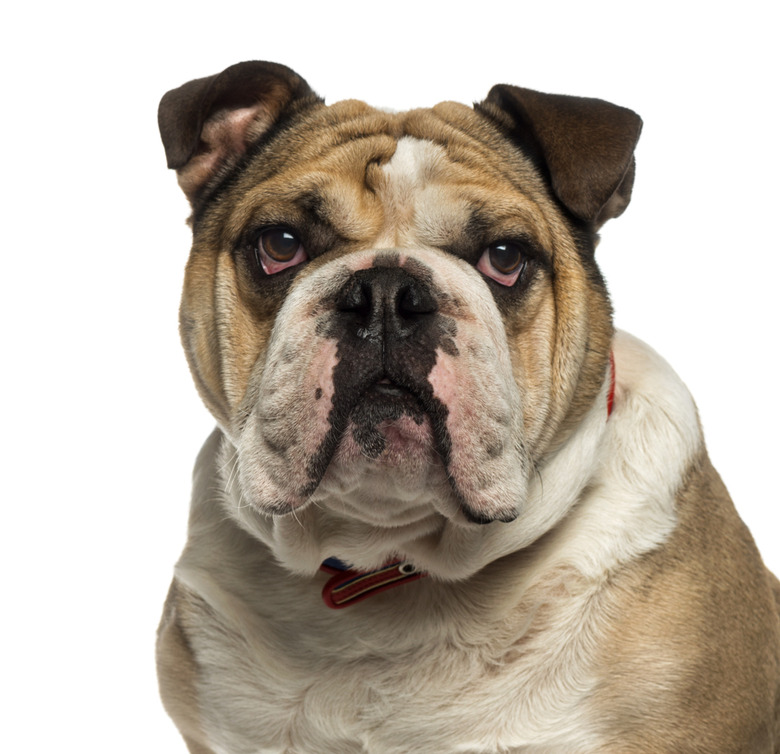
346 586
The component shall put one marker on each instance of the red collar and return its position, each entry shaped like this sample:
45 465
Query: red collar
347 586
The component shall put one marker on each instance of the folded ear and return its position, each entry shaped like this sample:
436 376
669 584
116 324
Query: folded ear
585 145
207 124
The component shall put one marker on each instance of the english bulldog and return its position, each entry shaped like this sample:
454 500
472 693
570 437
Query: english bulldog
448 507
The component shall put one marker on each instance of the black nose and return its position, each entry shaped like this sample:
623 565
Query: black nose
386 304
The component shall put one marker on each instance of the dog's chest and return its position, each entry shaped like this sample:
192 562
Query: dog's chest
390 683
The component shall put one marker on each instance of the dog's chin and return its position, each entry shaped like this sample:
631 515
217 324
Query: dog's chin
385 470
397 490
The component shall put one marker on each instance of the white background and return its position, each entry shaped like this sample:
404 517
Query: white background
101 422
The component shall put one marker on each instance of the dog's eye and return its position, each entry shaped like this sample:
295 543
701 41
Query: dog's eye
278 249
503 262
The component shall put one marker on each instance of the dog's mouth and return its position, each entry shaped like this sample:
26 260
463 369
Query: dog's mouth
387 387
375 421
388 419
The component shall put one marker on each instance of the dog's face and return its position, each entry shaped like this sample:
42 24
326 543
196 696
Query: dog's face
394 316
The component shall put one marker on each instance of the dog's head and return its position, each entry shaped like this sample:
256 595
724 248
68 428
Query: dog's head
394 316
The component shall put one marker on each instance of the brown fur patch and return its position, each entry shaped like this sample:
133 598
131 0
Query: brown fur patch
177 673
690 653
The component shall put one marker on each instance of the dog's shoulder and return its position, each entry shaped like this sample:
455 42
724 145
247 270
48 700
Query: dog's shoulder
693 650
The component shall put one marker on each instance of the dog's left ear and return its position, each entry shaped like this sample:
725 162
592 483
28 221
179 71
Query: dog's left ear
207 124
586 146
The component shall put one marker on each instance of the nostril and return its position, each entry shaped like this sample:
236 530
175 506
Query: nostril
355 297
414 299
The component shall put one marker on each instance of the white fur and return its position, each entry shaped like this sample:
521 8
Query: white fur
479 659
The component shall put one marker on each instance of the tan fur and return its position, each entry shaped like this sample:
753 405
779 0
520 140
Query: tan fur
688 653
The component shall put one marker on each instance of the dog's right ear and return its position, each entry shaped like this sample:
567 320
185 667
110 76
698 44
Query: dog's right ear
207 124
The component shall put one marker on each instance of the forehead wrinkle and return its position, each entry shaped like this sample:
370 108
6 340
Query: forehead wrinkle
352 211
329 186
472 141
430 199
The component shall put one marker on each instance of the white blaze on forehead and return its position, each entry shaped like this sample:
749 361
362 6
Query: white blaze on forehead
414 161
419 206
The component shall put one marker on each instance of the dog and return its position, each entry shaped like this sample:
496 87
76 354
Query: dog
448 507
